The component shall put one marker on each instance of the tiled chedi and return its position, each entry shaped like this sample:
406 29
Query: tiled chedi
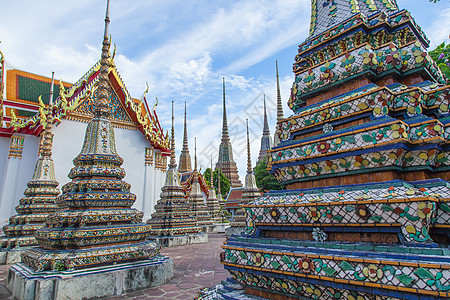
364 158
212 202
95 224
199 206
173 214
40 194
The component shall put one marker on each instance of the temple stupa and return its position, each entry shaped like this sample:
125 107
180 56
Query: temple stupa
96 240
39 200
173 222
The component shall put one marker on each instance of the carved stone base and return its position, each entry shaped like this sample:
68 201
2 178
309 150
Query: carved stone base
180 240
106 281
220 227
9 257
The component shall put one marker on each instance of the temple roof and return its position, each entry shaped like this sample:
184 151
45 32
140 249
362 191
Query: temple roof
74 101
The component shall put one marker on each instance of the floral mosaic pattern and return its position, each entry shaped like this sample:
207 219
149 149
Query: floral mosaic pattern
326 207
361 59
312 291
376 135
386 273
394 20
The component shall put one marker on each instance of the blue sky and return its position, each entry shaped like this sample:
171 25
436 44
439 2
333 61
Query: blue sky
183 49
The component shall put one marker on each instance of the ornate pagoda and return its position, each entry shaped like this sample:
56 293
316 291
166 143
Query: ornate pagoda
196 199
185 157
96 226
39 200
226 162
173 215
250 192
219 192
212 202
266 139
365 160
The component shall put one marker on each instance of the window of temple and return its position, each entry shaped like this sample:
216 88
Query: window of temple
16 147
148 156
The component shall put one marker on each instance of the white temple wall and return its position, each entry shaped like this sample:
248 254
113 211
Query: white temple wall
15 174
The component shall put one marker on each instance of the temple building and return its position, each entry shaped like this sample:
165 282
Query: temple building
39 200
185 157
226 163
174 223
95 226
266 139
140 138
365 160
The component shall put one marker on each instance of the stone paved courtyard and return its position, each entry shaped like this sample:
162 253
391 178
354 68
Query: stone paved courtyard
195 267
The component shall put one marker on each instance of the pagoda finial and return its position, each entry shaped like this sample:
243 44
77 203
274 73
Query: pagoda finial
212 184
279 103
249 160
185 138
266 124
185 157
195 155
225 124
102 108
218 182
173 163
45 147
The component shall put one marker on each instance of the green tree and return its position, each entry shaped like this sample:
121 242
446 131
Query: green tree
224 182
264 180
441 55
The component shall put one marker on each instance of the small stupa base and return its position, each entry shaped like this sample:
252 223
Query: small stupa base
114 280
218 227
180 240
11 256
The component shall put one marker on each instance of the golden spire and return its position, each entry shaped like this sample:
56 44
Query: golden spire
279 103
249 161
101 107
218 183
212 183
195 156
45 147
173 163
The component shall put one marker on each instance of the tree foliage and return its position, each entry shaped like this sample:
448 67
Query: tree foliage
224 182
264 180
441 55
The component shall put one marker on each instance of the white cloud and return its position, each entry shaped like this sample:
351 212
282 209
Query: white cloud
439 30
